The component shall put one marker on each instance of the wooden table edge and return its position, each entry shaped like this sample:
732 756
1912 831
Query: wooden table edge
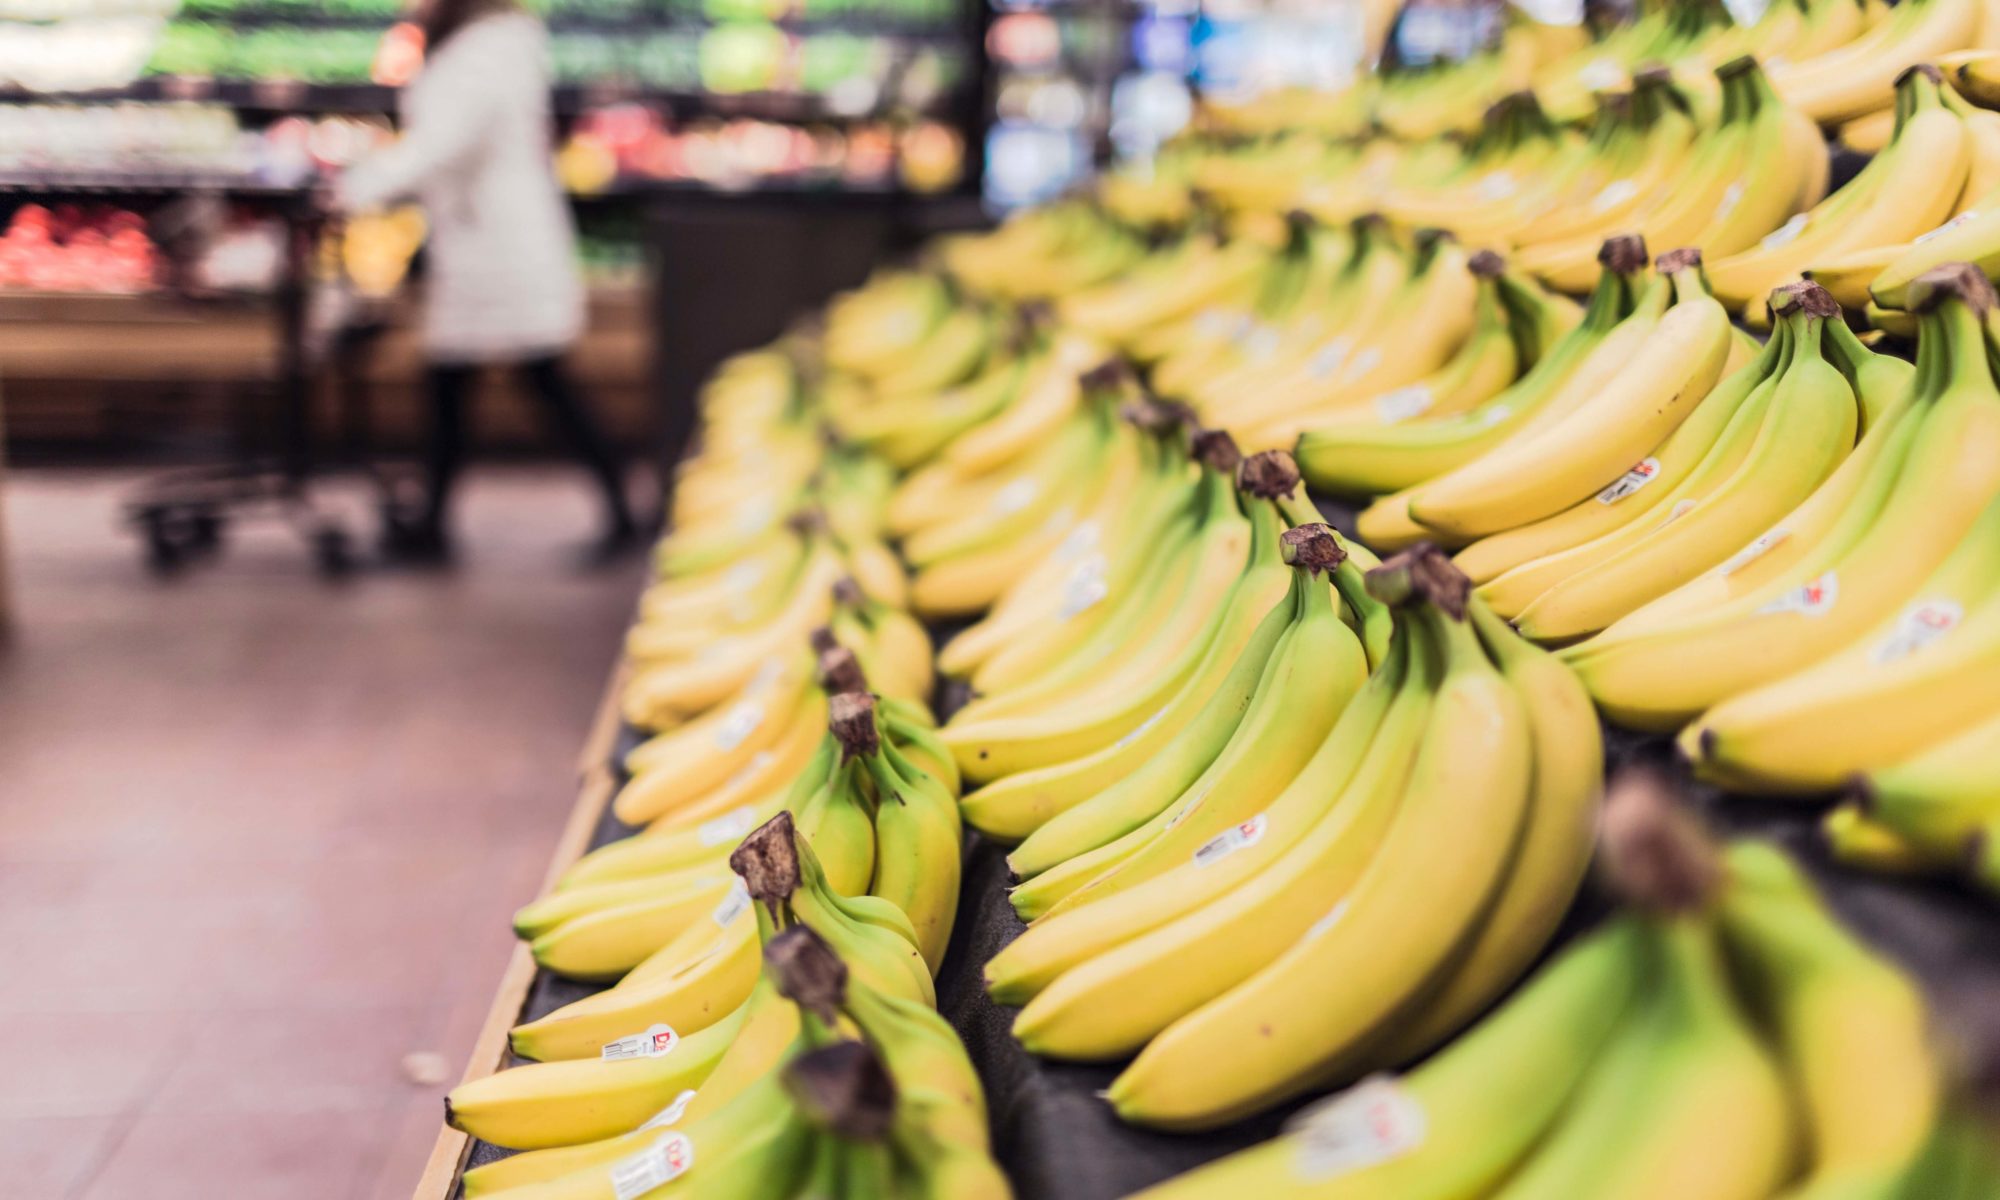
489 1049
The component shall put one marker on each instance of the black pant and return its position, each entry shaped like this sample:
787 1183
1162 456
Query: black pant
565 410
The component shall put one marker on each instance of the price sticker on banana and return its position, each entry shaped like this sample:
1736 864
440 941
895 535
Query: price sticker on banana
671 1114
1757 548
1403 404
738 723
1808 599
1645 471
1229 841
729 827
657 1042
656 1166
1372 1122
734 905
1920 624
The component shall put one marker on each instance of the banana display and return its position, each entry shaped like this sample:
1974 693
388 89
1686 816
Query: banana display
1261 939
835 1079
1707 1040
1616 355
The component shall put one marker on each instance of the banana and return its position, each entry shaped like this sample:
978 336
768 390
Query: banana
1484 361
1458 1124
540 1105
916 832
1689 1074
689 985
1167 946
734 750
1311 677
1881 206
1639 492
1857 486
1259 761
1457 830
1869 1105
1576 455
1424 323
1555 850
1136 797
1904 684
1854 838
1807 430
1832 595
1014 806
1353 461
1048 397
1850 80
1942 795
1139 486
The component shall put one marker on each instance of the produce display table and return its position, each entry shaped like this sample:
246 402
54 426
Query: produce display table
1058 1141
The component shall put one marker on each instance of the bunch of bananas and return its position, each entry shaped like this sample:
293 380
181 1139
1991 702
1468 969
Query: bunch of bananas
1834 576
1623 397
1083 652
1708 1041
835 1078
1204 653
1257 937
1752 449
775 534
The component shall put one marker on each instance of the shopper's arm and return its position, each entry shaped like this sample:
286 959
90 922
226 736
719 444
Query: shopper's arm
448 135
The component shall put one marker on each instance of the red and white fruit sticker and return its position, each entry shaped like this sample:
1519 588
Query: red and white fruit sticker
670 1114
1754 551
1229 841
657 1042
1372 1122
734 905
729 827
1921 624
1643 472
1808 599
657 1165
1394 408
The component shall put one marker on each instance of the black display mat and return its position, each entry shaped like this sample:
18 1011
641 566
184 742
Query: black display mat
1058 1141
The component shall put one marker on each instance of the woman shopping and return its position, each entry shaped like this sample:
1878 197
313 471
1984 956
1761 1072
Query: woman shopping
503 288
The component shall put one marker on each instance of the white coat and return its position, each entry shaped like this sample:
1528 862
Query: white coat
503 283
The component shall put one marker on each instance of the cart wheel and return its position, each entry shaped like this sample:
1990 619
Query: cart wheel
333 551
204 531
164 553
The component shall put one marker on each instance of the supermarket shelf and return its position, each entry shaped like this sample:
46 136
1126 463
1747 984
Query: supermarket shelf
631 24
284 96
93 183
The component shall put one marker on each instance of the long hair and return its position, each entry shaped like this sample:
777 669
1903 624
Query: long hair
443 18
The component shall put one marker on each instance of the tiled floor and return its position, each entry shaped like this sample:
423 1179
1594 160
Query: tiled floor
259 837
